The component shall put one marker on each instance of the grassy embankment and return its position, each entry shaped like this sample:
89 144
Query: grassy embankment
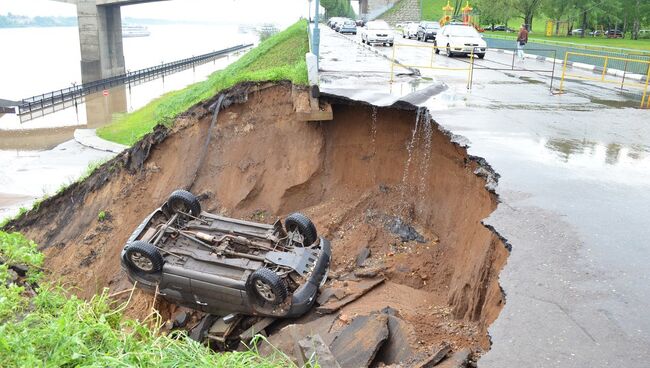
643 44
42 324
281 57
432 10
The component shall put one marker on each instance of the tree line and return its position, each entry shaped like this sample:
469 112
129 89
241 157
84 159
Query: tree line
624 15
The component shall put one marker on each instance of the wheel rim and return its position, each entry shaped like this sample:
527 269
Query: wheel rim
264 290
448 50
141 261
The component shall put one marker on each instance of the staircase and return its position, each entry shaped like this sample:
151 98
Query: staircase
405 10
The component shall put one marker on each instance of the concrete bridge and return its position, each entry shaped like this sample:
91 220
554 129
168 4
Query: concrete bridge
100 37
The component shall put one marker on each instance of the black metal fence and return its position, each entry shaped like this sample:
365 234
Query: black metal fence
39 102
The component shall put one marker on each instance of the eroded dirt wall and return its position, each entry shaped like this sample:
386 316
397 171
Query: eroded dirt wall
356 177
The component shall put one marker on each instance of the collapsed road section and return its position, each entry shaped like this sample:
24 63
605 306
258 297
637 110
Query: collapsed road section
413 278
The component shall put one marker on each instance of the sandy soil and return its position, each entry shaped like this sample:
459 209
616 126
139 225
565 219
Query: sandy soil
352 176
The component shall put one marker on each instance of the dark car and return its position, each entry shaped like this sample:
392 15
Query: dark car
502 29
427 31
223 265
614 33
349 26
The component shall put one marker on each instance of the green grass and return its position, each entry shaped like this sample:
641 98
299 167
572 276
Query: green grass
281 57
432 9
642 44
56 329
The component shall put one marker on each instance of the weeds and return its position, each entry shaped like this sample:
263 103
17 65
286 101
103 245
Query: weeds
56 329
101 216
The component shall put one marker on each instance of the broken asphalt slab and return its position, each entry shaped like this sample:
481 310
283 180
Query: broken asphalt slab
358 344
354 290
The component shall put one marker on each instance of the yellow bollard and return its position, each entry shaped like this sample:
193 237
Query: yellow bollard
645 90
566 57
605 68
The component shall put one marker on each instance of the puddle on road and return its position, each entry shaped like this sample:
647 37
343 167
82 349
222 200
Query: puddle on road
618 104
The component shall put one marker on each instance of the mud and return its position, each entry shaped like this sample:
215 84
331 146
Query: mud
354 176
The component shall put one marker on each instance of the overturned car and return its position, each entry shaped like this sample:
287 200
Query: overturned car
222 265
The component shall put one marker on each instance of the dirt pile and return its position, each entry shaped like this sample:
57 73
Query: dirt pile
386 185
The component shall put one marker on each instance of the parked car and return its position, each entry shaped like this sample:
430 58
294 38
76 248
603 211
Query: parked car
349 26
427 31
332 21
457 39
614 33
222 265
577 32
410 30
502 29
377 31
644 33
597 33
341 22
360 22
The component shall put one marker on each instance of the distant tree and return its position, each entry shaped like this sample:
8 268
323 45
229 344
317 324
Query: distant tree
527 10
494 12
338 8
638 13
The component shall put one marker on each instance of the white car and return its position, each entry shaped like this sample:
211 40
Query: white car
459 39
410 30
377 31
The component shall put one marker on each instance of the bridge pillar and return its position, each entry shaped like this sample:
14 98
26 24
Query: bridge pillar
100 36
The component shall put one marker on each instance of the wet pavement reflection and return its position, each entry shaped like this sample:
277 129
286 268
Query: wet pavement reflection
574 191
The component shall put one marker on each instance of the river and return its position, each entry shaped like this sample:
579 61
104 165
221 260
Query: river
37 152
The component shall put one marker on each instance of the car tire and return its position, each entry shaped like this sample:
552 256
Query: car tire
304 226
435 45
390 44
481 56
183 201
448 50
267 287
143 257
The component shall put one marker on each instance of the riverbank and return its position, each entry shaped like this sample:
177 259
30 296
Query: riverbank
281 57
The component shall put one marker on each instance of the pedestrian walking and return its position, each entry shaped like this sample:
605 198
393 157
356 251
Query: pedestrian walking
522 40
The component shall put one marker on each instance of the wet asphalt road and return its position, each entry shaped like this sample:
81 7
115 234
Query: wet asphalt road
575 193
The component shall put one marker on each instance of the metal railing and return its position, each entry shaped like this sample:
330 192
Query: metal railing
472 62
49 99
562 48
606 61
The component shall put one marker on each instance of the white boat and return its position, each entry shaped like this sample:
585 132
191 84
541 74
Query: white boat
134 31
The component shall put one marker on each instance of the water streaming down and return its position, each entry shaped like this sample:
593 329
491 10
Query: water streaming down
373 129
427 136
373 134
409 148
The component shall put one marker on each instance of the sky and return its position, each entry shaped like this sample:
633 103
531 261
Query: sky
281 12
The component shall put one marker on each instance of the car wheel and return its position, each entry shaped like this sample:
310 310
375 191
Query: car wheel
297 222
267 286
435 45
141 256
185 202
449 53
481 56
390 44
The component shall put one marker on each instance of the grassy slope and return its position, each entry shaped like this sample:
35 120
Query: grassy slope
281 57
432 9
54 329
